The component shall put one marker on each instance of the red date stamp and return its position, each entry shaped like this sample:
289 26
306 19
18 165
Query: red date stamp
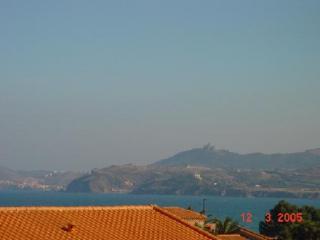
246 217
285 218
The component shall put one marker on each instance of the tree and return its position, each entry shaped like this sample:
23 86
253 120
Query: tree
189 208
308 228
221 227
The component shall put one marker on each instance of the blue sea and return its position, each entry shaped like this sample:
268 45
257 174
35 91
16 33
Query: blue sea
220 207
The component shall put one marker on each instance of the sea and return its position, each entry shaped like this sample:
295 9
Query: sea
216 206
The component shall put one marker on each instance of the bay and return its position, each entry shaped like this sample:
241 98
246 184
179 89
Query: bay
220 207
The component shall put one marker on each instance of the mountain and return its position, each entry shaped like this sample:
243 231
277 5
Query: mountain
8 174
199 171
208 156
199 181
41 179
111 179
207 171
314 151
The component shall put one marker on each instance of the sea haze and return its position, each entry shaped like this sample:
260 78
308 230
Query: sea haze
86 85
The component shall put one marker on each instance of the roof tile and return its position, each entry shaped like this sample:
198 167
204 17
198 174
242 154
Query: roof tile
88 223
185 214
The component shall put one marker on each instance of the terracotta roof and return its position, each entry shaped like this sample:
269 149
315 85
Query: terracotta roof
90 223
231 237
185 214
253 235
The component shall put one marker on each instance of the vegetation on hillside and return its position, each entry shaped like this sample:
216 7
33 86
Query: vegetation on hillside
192 180
210 157
308 227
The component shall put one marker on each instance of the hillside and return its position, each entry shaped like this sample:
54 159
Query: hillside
7 174
207 171
200 181
111 179
199 171
40 180
209 157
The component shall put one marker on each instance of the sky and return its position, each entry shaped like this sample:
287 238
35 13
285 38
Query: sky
87 84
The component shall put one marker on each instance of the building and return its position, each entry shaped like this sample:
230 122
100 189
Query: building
189 216
248 234
231 237
193 218
244 234
110 223
90 223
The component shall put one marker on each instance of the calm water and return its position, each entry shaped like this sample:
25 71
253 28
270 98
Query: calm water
217 206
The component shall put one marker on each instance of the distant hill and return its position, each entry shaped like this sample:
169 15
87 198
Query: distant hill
111 179
199 171
199 181
40 180
207 171
8 174
208 156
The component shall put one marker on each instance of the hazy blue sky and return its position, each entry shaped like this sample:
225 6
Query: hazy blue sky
87 84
